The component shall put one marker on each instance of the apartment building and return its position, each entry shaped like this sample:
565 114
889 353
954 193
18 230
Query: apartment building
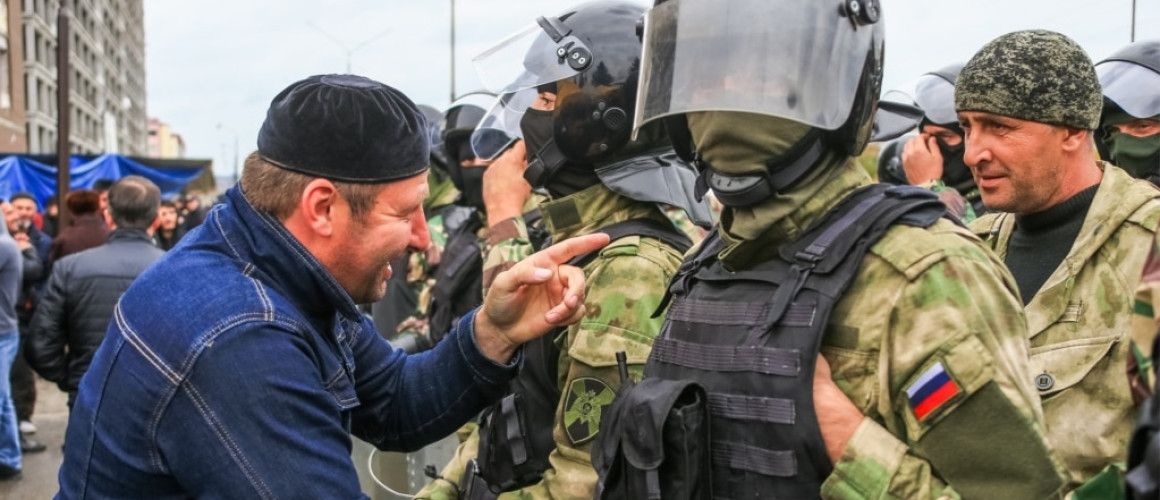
107 76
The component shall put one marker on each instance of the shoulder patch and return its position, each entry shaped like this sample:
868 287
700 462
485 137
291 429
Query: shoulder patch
586 401
931 391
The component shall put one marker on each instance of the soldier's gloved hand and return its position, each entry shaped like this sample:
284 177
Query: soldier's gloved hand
535 296
504 189
921 160
838 418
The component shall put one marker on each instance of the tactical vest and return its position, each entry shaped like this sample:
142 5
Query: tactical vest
515 434
750 338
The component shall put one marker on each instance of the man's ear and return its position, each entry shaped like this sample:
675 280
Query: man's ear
316 205
1076 139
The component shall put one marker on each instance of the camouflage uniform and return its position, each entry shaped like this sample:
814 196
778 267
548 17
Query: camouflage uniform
1145 321
921 297
625 284
421 265
1079 323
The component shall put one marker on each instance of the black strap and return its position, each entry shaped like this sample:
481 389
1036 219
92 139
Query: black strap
666 232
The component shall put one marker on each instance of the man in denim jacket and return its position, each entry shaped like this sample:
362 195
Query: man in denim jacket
238 365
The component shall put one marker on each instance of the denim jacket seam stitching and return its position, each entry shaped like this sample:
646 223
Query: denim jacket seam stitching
232 447
226 237
139 345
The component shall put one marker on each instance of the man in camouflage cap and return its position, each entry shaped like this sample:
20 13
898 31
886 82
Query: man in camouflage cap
1073 231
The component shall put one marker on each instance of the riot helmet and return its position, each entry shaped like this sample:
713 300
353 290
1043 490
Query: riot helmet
818 64
929 99
457 124
434 125
1131 86
590 58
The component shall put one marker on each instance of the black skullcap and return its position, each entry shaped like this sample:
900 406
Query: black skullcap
345 128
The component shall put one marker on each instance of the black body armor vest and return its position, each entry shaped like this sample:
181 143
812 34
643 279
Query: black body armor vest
750 338
515 434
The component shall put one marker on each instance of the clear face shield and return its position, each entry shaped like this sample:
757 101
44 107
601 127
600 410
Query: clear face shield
540 53
902 110
796 60
500 127
1134 88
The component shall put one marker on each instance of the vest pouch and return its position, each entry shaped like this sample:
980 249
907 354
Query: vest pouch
509 462
654 443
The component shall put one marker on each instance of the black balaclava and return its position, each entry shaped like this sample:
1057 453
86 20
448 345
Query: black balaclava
471 177
570 177
1140 156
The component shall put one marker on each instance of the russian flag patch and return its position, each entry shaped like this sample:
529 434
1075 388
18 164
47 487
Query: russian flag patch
932 390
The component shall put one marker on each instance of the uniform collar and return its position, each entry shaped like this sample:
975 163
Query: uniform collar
590 210
753 234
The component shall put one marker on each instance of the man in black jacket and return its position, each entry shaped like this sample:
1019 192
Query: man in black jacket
64 339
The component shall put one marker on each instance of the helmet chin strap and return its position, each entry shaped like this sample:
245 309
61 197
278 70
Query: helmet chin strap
543 164
779 174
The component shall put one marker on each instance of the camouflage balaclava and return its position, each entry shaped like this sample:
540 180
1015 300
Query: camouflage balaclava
1034 75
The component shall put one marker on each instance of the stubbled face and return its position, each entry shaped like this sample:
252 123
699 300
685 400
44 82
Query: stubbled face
168 217
25 208
393 226
1017 164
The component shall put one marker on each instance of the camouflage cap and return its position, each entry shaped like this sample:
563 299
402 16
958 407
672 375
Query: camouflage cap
1034 75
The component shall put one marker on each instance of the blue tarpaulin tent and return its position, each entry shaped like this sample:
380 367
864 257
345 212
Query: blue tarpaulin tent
21 173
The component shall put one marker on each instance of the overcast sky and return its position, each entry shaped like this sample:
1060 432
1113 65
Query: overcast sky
213 66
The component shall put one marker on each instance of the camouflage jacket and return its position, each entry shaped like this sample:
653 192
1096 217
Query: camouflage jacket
625 284
1079 323
1145 321
923 298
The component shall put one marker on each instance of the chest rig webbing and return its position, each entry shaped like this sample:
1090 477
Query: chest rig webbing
515 434
751 338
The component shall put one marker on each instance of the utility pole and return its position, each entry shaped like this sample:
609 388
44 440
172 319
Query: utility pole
1133 37
453 51
349 50
62 113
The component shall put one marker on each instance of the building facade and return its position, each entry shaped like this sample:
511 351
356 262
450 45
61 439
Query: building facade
106 80
13 119
163 141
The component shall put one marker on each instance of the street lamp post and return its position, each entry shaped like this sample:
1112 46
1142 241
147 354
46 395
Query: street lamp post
349 50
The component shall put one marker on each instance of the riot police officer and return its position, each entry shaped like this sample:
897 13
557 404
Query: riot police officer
1129 132
852 343
571 98
933 158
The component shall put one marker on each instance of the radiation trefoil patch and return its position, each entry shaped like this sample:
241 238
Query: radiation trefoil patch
587 399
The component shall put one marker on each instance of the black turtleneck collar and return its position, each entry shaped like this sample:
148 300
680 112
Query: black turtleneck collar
1071 209
1042 240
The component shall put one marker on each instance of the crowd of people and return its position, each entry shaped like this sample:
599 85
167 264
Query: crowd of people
67 281
644 264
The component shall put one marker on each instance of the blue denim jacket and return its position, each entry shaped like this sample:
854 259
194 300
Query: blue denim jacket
237 367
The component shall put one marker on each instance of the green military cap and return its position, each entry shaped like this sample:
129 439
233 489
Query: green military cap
1035 75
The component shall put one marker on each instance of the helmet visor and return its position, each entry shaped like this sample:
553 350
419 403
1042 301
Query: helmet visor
796 60
500 127
897 114
540 53
1134 88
